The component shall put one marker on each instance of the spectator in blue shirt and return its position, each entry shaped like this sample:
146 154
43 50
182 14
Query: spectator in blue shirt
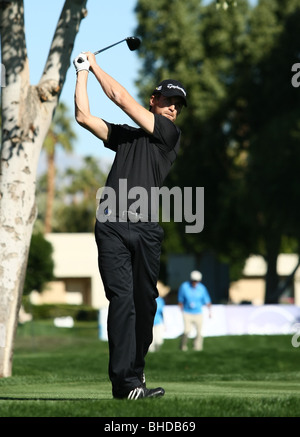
158 326
192 296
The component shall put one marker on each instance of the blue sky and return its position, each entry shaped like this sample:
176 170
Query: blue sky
107 22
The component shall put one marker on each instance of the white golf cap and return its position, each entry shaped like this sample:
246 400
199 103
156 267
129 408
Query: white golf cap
196 276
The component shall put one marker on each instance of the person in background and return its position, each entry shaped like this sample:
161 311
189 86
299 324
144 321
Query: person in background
192 296
158 326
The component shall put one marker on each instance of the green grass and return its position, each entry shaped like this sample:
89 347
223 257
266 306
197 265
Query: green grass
63 373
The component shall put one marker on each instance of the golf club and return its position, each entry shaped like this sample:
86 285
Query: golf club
132 41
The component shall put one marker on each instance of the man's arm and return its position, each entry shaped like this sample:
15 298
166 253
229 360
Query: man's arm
82 109
207 299
208 305
120 96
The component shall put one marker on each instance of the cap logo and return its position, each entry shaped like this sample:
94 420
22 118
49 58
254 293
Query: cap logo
170 85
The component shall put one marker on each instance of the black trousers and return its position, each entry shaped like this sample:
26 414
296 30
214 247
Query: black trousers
129 258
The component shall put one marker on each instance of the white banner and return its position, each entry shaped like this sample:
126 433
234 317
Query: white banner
228 320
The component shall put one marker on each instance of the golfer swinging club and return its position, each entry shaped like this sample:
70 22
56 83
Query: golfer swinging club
129 243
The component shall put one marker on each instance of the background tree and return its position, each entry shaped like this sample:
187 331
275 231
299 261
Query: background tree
27 112
60 133
78 212
75 201
272 114
40 266
241 128
201 47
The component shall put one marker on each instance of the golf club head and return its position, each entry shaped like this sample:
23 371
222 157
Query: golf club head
133 42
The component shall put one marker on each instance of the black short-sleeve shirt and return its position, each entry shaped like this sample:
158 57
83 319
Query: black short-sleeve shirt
142 159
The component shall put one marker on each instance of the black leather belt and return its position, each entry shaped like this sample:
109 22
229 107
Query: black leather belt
131 216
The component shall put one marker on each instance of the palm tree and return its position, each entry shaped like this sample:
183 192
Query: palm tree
85 181
78 212
60 133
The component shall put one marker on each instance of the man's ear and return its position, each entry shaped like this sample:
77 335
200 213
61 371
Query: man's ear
151 102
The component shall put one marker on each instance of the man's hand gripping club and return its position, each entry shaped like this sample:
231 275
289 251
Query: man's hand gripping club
81 62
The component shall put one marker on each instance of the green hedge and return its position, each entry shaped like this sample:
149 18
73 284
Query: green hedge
50 311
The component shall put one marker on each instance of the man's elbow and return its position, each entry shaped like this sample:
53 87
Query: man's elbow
120 98
81 119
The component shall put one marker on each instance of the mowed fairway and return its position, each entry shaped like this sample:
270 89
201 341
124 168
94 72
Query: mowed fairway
63 373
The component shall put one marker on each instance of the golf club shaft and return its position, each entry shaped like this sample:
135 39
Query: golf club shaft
108 47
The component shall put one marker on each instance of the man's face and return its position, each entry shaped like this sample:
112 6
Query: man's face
169 107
